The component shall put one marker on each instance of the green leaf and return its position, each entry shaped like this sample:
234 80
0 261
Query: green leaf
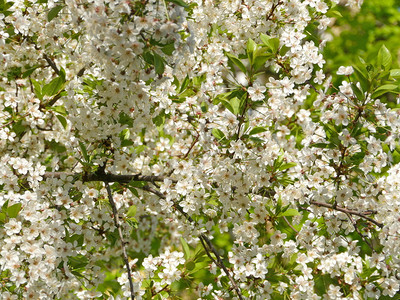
2 217
362 76
62 74
159 64
29 71
160 119
251 48
136 183
134 191
218 134
19 128
237 62
168 49
271 43
185 83
333 13
59 109
261 57
256 130
359 94
62 120
199 252
235 104
37 89
84 151
386 88
395 73
77 262
289 213
227 105
178 2
54 12
384 58
13 210
53 87
148 57
124 134
5 206
131 211
56 146
286 166
323 146
190 265
185 248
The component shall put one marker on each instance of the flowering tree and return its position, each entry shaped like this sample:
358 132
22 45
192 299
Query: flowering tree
165 149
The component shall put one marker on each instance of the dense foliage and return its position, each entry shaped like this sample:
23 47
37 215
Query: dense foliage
200 149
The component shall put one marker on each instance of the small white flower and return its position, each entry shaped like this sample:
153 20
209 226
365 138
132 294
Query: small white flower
345 70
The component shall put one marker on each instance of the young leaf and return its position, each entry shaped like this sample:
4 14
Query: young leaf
54 12
62 120
362 76
359 94
218 134
84 151
251 48
235 104
386 88
159 64
179 2
227 104
333 13
13 210
134 191
131 211
260 60
237 62
168 49
139 184
53 87
37 89
287 166
271 43
185 248
256 130
2 217
289 213
384 58
395 73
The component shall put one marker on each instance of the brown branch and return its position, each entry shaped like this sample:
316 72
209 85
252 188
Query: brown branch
348 211
290 225
274 6
123 243
191 146
51 101
107 177
204 240
358 231
51 64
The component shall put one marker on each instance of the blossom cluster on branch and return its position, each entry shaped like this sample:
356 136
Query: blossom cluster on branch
156 149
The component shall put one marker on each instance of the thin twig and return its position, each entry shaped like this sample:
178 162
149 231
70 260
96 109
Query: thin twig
191 146
358 231
348 211
274 6
204 240
221 264
51 64
290 225
117 225
52 100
